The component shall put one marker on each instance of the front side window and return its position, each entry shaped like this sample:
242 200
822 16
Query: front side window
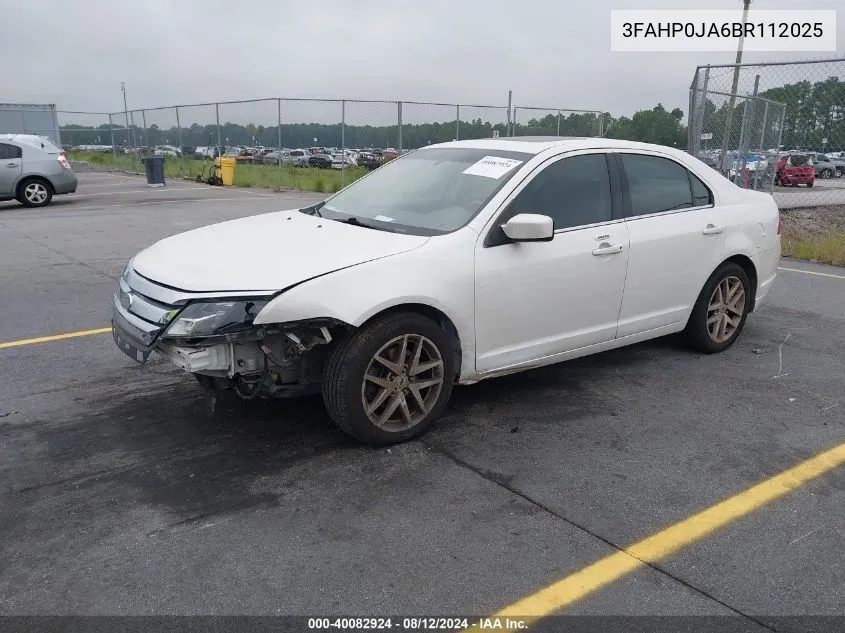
426 192
573 192
656 184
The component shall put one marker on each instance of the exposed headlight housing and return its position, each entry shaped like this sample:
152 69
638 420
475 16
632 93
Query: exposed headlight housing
214 318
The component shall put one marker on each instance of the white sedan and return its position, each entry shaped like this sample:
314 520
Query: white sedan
454 263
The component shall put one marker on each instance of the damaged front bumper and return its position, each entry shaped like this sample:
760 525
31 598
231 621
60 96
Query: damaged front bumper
269 360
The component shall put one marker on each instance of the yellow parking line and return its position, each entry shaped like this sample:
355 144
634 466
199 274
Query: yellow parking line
53 337
811 272
562 593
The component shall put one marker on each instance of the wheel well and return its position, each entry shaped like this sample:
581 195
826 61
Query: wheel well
24 181
748 266
435 315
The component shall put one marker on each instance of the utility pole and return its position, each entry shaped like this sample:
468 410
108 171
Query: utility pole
726 139
126 112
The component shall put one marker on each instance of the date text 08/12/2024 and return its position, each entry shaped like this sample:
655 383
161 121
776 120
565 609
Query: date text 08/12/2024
418 624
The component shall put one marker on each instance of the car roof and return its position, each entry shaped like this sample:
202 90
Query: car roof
538 144
20 138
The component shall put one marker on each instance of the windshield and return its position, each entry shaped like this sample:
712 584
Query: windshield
427 192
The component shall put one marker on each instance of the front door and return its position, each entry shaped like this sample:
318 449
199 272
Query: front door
537 299
10 168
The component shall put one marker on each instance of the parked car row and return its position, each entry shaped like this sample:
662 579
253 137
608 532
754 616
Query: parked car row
786 168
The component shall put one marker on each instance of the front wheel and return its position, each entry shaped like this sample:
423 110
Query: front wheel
391 379
719 313
826 173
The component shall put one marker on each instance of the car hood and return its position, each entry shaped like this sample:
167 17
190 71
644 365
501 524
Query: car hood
267 252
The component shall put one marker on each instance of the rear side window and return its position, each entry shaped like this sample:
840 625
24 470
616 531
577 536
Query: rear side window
10 151
656 184
701 195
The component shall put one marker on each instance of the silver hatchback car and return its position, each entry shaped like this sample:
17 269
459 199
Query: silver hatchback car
33 170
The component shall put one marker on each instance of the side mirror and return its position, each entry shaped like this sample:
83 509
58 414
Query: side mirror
529 227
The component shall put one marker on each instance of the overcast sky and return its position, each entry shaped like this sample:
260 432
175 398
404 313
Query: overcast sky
551 53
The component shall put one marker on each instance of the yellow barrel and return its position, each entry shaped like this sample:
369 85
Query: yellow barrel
227 170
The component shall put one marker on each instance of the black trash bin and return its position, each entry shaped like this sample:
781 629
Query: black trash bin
154 166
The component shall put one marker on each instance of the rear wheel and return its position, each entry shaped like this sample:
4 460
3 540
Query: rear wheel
35 192
390 380
826 173
719 313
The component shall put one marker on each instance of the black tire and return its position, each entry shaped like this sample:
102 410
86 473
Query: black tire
345 368
826 173
840 171
810 184
45 190
696 333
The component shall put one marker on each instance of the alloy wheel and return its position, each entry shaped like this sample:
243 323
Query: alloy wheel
726 309
402 382
35 193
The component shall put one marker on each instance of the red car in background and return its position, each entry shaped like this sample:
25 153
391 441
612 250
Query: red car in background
794 170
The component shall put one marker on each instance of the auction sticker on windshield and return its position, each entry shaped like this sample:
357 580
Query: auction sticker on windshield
492 167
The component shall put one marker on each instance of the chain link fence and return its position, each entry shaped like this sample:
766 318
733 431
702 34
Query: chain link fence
351 135
776 127
532 121
303 123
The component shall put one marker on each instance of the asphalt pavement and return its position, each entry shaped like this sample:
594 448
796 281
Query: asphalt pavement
121 496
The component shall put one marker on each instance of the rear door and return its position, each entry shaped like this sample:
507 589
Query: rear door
11 160
677 239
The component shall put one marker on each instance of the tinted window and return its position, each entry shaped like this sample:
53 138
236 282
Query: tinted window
573 192
701 195
9 151
656 184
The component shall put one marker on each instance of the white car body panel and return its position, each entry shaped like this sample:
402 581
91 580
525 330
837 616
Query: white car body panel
438 274
513 306
534 302
264 252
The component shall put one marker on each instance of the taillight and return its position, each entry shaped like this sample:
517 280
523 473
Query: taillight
63 161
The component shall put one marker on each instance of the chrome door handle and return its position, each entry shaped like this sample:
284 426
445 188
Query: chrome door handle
712 229
11 164
608 249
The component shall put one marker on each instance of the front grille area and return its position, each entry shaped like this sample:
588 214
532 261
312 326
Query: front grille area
144 308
